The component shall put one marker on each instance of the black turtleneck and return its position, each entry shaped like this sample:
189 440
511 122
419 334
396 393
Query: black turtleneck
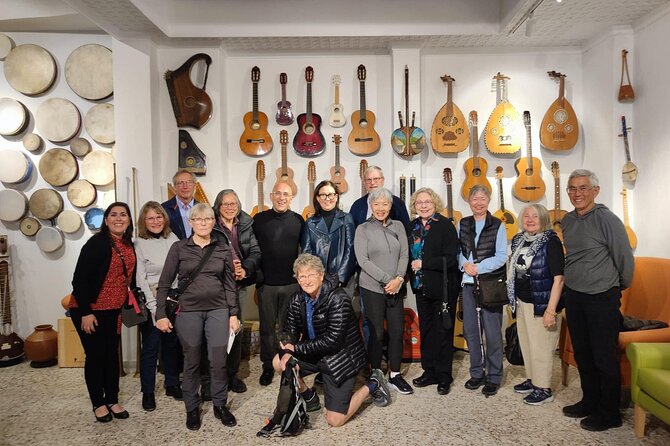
328 216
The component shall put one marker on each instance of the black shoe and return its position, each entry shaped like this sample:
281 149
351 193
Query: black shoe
424 381
223 414
205 393
119 415
193 419
490 389
318 379
266 377
577 410
175 392
148 402
598 424
105 418
475 383
236 385
443 387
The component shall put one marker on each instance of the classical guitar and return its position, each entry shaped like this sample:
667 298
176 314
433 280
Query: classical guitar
450 133
337 172
629 171
449 212
529 185
260 176
559 129
311 177
309 140
361 173
557 213
363 139
337 118
476 166
407 140
255 139
506 216
285 173
284 114
503 132
632 238
191 105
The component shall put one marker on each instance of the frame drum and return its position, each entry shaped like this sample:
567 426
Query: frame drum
98 167
32 142
13 205
81 193
88 72
57 119
6 45
99 123
45 204
49 239
69 221
58 167
93 218
80 146
15 166
30 69
30 226
12 116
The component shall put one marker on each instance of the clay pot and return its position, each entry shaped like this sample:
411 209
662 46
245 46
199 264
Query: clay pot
41 347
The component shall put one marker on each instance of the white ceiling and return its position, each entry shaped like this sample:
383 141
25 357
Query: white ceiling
303 25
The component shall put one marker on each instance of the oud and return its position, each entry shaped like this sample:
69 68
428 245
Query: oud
255 139
337 118
285 173
309 140
284 114
476 166
191 105
503 132
556 215
632 238
337 172
629 171
559 129
506 216
363 139
529 185
449 212
450 133
311 178
260 177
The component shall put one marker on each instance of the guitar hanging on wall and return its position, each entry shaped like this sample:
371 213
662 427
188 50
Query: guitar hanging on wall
363 139
285 173
559 129
556 215
337 118
407 140
337 172
529 185
476 166
260 177
506 216
191 105
309 140
503 132
361 173
311 178
284 114
632 238
629 171
255 139
448 211
450 133
11 344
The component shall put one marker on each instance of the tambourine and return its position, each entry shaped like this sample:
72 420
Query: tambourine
15 166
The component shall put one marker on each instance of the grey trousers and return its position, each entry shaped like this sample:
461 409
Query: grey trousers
191 326
272 304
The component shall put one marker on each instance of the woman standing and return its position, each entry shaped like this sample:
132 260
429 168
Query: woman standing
154 239
104 273
483 251
534 286
208 308
381 250
433 246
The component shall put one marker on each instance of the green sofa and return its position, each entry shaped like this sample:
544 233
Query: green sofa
650 381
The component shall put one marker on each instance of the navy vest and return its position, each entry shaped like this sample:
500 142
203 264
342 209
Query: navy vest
486 245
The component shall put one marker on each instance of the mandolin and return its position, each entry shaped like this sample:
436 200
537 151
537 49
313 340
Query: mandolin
361 173
476 166
529 185
407 140
449 134
285 173
449 212
629 171
260 176
506 216
632 238
284 114
11 344
337 172
255 139
363 139
503 132
337 118
311 177
309 140
191 105
557 213
559 129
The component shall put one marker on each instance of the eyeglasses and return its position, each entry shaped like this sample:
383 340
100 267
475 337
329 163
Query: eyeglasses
307 277
373 180
423 203
229 205
184 183
581 189
201 220
281 194
154 219
329 196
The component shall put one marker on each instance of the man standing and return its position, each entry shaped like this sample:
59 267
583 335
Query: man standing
599 264
278 233
178 206
373 178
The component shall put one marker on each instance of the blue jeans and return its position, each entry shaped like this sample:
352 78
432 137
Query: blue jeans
491 322
153 340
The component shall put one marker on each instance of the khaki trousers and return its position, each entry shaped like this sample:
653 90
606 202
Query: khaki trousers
537 344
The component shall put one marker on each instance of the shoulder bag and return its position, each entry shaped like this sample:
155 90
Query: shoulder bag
172 302
134 310
491 288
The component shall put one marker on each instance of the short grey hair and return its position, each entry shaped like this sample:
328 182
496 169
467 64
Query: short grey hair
593 179
371 169
180 172
201 210
479 188
381 193
308 261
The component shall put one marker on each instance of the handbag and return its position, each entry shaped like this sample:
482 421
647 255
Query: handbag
172 301
134 310
491 289
513 351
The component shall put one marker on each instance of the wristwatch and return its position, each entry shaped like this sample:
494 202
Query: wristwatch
400 278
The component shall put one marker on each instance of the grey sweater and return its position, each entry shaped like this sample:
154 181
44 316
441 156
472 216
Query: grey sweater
381 252
598 254
151 254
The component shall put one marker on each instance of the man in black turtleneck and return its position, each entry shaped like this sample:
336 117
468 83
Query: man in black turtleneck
278 233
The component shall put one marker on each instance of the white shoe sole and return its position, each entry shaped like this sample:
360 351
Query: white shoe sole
539 403
397 389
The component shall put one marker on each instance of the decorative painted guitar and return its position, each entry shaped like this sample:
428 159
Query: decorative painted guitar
449 212
311 177
284 114
629 171
408 140
255 140
557 213
337 118
476 166
361 173
449 134
363 139
632 238
507 217
529 186
337 172
309 140
559 129
285 173
503 132
260 176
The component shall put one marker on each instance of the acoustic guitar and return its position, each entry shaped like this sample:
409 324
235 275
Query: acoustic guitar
255 139
309 210
529 185
363 139
260 177
361 173
337 172
506 216
449 134
557 213
407 140
449 212
191 105
476 166
337 118
309 140
503 132
285 173
284 114
629 171
559 129
632 238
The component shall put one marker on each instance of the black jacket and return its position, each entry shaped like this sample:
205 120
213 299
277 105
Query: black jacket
338 348
176 223
251 252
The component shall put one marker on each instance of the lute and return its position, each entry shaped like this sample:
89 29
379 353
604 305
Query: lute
559 129
363 139
449 212
337 172
311 178
475 167
260 176
503 132
285 173
255 139
557 213
284 114
337 118
506 216
529 185
309 140
629 171
632 238
450 133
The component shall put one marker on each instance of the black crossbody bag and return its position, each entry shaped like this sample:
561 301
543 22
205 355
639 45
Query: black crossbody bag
172 302
134 310
491 288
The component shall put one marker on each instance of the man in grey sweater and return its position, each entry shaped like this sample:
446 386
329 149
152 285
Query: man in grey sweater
599 264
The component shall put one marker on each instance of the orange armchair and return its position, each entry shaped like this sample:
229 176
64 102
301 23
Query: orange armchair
647 298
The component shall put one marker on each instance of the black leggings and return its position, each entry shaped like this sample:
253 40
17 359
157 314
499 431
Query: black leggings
377 308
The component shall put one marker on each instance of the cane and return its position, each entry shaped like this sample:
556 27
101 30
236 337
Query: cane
479 320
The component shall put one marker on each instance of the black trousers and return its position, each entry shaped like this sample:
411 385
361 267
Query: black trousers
377 308
101 369
594 321
272 304
437 344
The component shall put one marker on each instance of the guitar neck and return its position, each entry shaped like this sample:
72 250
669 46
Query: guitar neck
260 195
557 195
450 102
6 304
475 146
624 194
362 92
502 196
337 93
450 203
407 98
309 102
311 194
255 101
337 158
625 137
283 95
530 146
561 90
284 166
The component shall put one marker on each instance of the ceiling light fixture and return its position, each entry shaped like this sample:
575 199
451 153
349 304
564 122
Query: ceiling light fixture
530 25
525 16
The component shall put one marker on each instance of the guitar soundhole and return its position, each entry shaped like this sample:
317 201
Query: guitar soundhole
363 123
529 172
476 172
336 109
568 128
551 127
439 131
504 121
255 125
560 116
494 131
308 129
450 121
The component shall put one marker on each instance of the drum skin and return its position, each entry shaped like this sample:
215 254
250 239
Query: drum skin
30 69
69 221
29 226
13 116
80 146
13 205
58 120
98 167
45 204
81 193
58 167
49 239
88 72
99 123
15 166
32 142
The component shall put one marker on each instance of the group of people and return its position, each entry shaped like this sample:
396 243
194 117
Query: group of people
306 274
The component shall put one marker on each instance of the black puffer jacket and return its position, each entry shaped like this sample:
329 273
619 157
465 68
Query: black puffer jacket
251 252
338 348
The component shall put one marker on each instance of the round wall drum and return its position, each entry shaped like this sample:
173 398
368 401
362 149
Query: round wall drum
93 218
49 239
13 205
30 69
12 116
69 221
6 45
32 142
57 119
29 226
15 166
58 167
80 146
88 72
99 123
81 193
98 168
45 204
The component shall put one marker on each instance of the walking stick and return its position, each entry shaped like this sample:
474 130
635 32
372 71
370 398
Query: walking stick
138 345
